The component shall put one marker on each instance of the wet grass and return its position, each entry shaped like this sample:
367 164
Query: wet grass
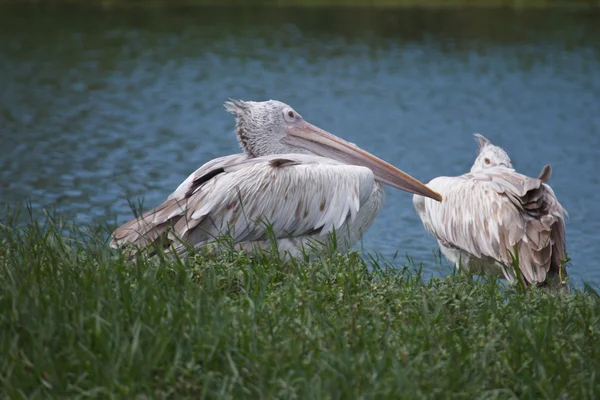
79 320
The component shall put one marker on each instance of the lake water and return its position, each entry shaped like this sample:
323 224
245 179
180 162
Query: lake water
98 106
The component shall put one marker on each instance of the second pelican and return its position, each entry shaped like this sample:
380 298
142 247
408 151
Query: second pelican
303 181
493 214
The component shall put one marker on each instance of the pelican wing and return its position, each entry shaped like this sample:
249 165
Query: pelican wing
488 214
294 195
195 179
151 225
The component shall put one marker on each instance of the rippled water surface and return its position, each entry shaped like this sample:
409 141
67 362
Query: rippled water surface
98 106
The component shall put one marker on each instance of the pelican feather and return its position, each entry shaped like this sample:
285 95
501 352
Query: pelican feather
295 195
492 210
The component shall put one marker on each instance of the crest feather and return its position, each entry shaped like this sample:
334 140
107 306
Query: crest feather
482 141
236 107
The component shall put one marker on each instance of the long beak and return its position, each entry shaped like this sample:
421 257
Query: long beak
324 144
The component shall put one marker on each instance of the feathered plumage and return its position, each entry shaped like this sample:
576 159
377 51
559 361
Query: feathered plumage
301 180
488 212
300 197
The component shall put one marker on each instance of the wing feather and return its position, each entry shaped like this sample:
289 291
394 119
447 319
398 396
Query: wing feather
296 194
308 195
153 224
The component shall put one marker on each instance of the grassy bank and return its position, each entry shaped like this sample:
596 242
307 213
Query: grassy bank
328 3
79 320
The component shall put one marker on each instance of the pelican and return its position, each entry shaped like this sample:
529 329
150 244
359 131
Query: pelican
302 181
492 209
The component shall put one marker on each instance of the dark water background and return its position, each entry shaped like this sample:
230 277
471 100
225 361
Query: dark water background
97 106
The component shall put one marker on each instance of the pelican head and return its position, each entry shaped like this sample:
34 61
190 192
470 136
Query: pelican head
489 155
272 127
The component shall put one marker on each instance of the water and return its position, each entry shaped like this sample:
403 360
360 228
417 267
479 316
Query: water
98 106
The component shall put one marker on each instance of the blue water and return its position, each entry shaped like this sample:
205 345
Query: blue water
98 106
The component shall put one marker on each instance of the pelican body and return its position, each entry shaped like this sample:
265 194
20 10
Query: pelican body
293 182
489 211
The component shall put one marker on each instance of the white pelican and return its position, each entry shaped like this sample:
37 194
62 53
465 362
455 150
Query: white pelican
492 209
303 181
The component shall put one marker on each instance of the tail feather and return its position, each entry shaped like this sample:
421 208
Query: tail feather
558 270
152 225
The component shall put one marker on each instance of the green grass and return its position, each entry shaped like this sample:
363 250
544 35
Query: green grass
79 320
329 3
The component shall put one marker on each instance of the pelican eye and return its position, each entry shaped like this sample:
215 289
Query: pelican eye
291 114
487 161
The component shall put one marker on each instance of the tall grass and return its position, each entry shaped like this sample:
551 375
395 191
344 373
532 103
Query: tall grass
327 3
79 320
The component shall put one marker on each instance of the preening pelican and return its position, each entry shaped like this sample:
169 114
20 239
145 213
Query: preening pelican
303 181
492 209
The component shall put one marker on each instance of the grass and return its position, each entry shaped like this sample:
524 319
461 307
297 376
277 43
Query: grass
329 3
79 320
